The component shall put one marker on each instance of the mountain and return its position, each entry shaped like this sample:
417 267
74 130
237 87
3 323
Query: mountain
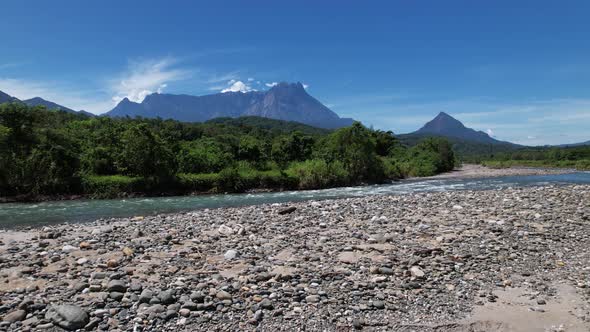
285 101
466 141
447 126
270 124
5 98
38 101
573 144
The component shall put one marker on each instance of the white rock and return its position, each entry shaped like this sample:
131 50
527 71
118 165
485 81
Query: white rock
230 254
416 272
225 230
68 248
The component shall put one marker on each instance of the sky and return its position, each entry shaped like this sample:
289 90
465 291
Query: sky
519 70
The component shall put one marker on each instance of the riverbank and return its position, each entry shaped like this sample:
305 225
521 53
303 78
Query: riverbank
496 260
262 184
578 164
470 171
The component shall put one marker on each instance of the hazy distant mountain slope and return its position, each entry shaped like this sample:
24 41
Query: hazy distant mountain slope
6 98
284 101
447 126
271 124
188 108
291 102
38 101
466 141
574 144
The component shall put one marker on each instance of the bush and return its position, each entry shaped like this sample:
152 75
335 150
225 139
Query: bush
198 182
583 165
273 179
229 180
393 169
202 156
317 173
111 186
354 147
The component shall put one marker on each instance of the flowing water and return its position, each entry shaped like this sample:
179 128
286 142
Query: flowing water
34 214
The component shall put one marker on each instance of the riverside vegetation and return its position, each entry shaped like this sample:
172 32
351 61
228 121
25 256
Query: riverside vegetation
577 157
51 153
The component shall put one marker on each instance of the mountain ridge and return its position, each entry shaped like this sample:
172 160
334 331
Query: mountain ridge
285 101
6 98
465 141
38 101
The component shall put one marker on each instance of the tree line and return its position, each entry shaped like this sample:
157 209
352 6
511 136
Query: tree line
46 152
577 157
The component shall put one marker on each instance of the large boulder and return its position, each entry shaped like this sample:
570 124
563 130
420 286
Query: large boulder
67 316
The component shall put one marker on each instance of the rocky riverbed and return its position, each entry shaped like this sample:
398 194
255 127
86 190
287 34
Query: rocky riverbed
471 171
501 260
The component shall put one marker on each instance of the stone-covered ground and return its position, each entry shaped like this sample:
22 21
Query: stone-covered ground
421 262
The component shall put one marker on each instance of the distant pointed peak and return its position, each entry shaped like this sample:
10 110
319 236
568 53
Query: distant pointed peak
443 115
126 101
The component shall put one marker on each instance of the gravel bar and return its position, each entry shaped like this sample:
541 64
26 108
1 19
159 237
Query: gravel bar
515 259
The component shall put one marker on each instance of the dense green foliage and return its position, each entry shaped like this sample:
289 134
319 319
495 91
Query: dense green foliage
465 150
565 157
52 153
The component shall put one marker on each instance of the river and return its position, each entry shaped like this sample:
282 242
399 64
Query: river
36 214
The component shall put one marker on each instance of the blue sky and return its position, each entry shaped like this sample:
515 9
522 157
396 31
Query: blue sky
520 70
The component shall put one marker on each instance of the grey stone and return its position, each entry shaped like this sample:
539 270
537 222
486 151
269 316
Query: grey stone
223 295
15 316
67 316
167 296
116 286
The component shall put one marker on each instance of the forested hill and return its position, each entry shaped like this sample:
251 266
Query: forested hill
58 153
466 150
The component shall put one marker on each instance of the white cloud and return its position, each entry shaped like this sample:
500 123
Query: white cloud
140 79
237 86
233 76
305 86
146 77
531 137
270 85
250 79
490 132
